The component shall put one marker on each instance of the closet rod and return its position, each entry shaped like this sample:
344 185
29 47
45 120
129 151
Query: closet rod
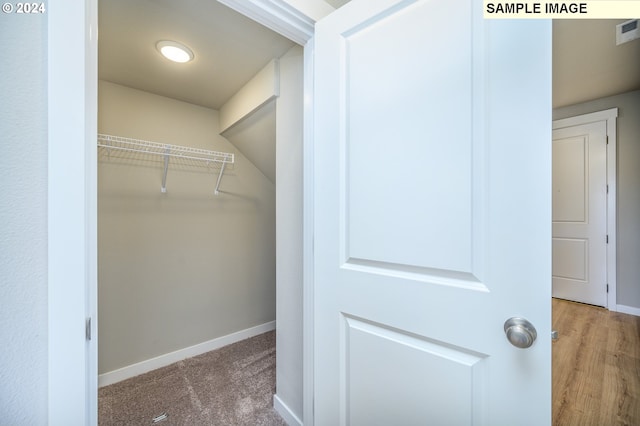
167 150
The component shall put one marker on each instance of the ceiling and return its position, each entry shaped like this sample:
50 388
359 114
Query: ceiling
588 65
230 48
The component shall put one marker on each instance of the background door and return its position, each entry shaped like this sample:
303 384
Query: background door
431 206
580 213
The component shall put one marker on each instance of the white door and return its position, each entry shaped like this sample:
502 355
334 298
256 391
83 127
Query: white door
432 198
580 213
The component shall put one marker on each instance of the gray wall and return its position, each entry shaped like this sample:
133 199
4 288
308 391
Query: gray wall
289 135
23 219
185 267
628 182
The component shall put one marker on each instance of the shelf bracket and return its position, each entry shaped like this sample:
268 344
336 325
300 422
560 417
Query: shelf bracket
167 151
216 192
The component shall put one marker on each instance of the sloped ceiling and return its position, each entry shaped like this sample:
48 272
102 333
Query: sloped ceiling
255 137
229 48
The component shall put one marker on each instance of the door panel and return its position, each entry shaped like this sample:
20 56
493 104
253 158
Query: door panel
384 224
431 224
580 213
438 381
573 254
570 183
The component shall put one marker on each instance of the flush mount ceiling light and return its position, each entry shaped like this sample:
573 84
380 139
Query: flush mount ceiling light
174 51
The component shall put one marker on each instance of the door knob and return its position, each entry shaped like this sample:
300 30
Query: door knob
520 332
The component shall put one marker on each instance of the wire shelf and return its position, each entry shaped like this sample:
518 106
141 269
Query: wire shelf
167 151
148 147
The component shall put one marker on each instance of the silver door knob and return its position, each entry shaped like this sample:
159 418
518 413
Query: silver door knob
520 332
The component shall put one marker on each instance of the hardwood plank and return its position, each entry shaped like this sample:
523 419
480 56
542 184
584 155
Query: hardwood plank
623 371
596 366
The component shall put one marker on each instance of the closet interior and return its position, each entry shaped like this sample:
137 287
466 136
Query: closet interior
197 164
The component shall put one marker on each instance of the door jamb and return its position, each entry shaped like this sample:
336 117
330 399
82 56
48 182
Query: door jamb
610 117
296 25
72 213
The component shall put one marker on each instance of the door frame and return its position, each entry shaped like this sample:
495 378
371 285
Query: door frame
72 212
72 78
610 117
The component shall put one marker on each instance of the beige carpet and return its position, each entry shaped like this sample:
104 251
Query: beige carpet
233 385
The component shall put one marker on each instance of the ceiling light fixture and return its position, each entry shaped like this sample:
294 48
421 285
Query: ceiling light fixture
174 51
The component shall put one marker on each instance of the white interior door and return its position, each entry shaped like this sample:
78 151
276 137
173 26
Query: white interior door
580 213
432 171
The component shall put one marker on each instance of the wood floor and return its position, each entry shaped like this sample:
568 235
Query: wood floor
596 366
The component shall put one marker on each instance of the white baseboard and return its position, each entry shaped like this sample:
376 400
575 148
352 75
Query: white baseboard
166 359
628 310
285 412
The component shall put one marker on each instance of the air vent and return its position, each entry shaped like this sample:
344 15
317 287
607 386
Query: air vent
627 31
